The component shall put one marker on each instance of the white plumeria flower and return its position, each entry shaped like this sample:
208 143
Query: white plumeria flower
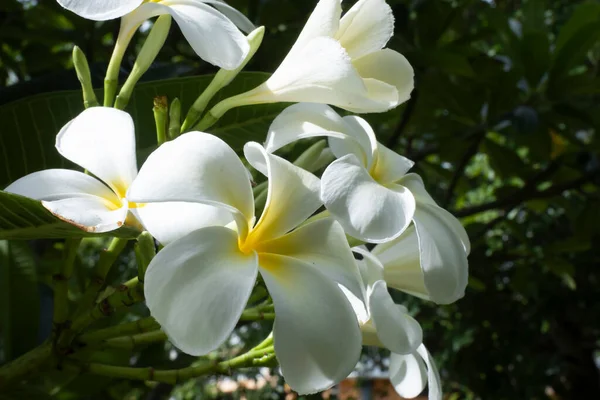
198 286
343 62
388 325
212 32
363 189
102 141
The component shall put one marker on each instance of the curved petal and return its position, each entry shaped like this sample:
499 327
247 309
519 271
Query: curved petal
366 210
102 140
320 72
323 245
402 267
304 120
410 375
172 220
364 139
100 10
198 286
239 19
397 330
90 213
390 166
366 27
443 258
196 167
293 194
323 21
415 184
317 338
388 67
59 184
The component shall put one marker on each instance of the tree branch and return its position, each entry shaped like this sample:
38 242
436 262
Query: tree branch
408 111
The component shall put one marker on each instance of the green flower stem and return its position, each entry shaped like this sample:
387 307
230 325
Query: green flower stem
258 189
61 283
105 262
154 42
130 328
144 253
111 80
174 119
177 375
126 295
257 316
161 118
82 69
310 156
221 79
133 341
259 293
24 365
265 343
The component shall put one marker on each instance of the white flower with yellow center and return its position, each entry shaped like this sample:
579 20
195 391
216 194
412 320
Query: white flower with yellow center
198 285
212 32
342 62
102 141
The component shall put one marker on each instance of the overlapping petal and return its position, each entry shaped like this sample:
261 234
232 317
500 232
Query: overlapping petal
102 140
239 19
411 373
170 221
323 22
390 166
293 194
198 286
366 210
317 338
100 10
196 167
366 27
323 245
90 213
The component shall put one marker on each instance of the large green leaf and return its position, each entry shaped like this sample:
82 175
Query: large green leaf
29 125
24 218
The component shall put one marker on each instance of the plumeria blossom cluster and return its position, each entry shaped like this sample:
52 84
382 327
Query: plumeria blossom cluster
194 194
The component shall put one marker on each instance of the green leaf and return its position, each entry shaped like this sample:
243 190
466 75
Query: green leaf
587 13
30 125
25 218
20 303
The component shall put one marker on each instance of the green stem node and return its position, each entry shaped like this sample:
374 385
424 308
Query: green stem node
61 283
161 118
143 325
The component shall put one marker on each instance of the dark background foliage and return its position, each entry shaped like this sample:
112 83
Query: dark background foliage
503 125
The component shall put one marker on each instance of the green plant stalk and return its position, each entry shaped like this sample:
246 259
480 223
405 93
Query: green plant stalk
24 365
221 79
177 375
161 118
132 341
111 80
259 293
154 42
257 316
144 253
143 325
268 341
310 156
126 295
105 262
174 119
61 283
82 69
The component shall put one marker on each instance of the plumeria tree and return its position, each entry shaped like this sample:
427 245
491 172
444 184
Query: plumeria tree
243 220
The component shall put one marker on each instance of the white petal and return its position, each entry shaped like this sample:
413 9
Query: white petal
317 338
239 19
390 166
363 135
443 258
359 307
415 184
388 67
323 22
304 120
320 72
100 10
59 184
322 244
433 376
172 220
366 210
210 33
198 286
196 167
102 140
366 27
402 267
408 374
293 193
90 213
397 330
